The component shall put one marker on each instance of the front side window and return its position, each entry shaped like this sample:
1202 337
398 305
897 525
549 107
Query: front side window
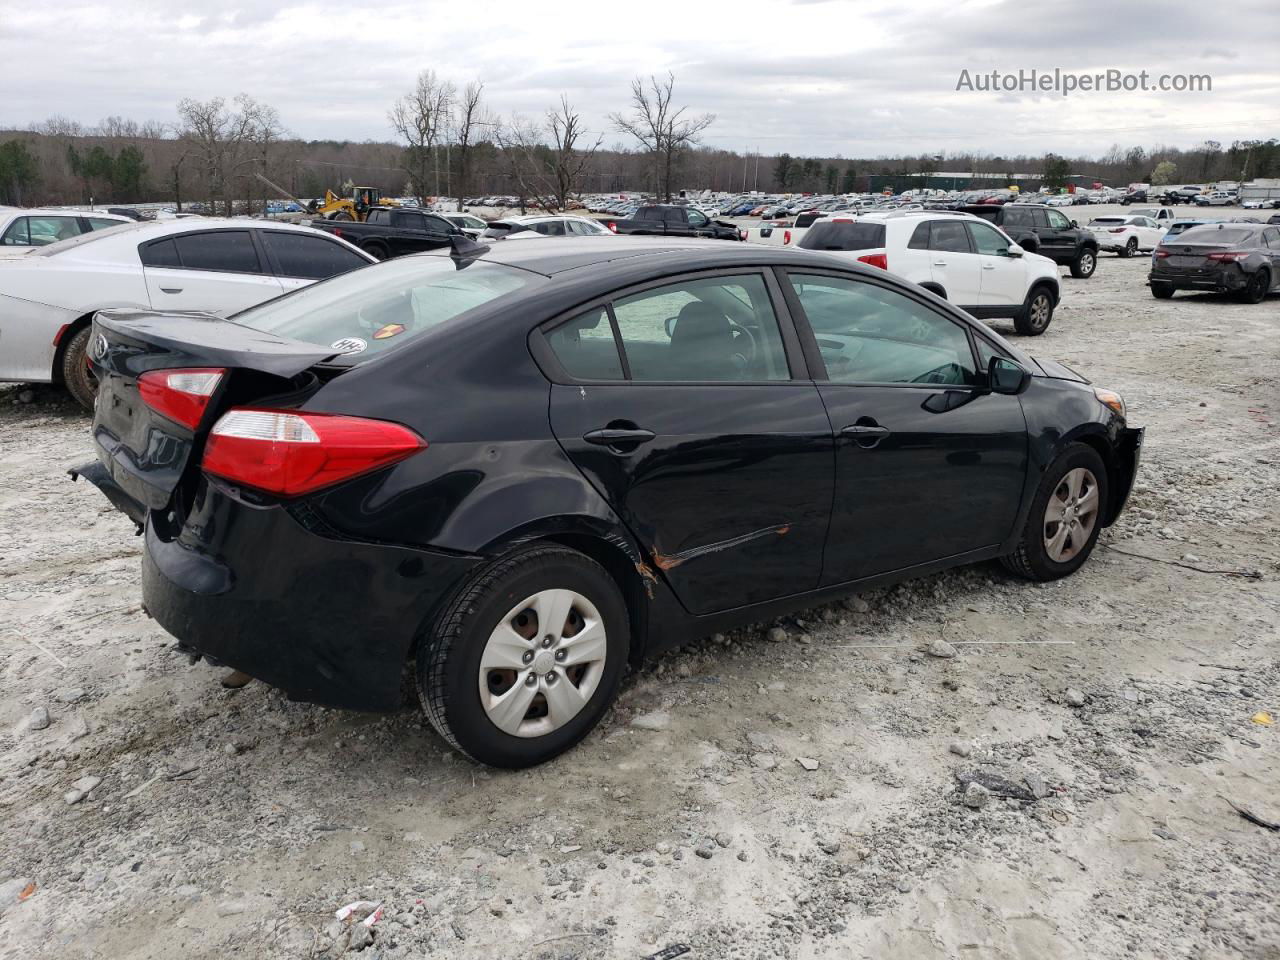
696 219
1057 220
311 258
227 251
988 240
550 228
869 334
698 330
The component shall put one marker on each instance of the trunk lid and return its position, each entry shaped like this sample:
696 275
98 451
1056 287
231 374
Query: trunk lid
146 455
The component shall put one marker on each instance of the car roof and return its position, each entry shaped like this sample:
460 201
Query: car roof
572 253
49 212
143 231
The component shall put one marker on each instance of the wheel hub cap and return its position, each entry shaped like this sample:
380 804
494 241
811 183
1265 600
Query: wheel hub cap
1071 514
542 663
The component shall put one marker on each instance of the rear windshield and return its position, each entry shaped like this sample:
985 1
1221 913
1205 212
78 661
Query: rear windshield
501 228
860 235
380 308
1212 234
1107 220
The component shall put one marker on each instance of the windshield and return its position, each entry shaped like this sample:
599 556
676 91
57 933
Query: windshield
382 307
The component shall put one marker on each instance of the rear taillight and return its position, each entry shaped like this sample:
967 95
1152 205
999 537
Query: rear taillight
337 231
1160 253
180 395
880 260
1116 230
290 453
786 237
1229 256
613 227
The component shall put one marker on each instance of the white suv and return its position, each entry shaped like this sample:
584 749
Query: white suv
960 257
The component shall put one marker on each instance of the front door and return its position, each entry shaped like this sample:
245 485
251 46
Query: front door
1057 236
678 405
928 464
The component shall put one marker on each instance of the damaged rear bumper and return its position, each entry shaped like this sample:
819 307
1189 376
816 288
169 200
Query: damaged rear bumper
327 620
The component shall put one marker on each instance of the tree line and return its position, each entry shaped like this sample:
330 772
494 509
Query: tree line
450 144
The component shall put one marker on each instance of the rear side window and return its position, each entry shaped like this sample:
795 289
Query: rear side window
550 228
988 240
40 231
409 221
586 348
378 216
96 223
858 235
920 237
227 251
1015 217
649 213
949 236
161 253
311 258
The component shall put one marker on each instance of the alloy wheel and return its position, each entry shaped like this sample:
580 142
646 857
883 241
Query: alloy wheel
1039 312
1087 263
542 663
1071 514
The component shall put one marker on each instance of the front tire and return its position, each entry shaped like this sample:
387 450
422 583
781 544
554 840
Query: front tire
1085 263
1036 313
77 375
526 658
1065 518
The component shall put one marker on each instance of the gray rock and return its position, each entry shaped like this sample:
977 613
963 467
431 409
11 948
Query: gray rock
829 847
856 605
79 728
73 695
1164 834
188 890
941 649
960 749
723 839
975 796
27 396
764 761
808 763
359 938
777 635
231 908
1073 697
904 885
357 846
9 891
706 850
39 719
81 789
657 720
1035 783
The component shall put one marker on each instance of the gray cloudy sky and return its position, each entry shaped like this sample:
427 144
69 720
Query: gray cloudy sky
856 77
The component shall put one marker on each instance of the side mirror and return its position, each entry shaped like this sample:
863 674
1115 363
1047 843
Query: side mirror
1006 377
1014 251
1074 224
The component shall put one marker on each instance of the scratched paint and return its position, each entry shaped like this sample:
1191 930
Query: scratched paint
665 561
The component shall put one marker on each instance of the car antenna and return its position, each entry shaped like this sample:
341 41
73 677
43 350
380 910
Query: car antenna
463 249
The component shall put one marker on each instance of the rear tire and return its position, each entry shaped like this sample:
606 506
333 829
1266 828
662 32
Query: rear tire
76 374
376 250
1084 264
1255 291
1036 313
1032 558
1161 290
451 675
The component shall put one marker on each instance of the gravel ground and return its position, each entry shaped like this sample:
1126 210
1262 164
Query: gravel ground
797 790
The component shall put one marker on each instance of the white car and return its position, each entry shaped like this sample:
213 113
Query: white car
468 223
1061 200
48 296
1218 198
23 229
548 225
959 257
1126 235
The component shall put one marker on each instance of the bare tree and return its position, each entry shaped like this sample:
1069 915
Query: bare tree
471 119
555 169
224 140
421 117
661 127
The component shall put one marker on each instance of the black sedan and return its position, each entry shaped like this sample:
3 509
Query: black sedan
514 470
1238 258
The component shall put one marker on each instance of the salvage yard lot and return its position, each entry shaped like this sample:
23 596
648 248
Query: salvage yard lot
232 822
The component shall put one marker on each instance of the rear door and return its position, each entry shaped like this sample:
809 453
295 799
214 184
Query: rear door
954 263
686 405
929 466
216 271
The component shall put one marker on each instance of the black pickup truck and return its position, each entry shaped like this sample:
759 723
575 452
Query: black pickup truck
673 220
390 232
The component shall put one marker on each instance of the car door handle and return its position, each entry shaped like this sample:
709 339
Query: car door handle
988 266
170 289
939 263
618 436
865 430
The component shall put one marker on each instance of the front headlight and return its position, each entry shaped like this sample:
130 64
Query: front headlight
1110 399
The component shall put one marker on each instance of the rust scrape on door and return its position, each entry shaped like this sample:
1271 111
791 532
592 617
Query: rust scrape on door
669 561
